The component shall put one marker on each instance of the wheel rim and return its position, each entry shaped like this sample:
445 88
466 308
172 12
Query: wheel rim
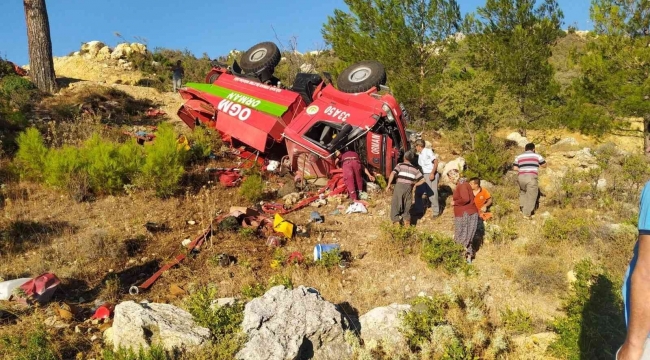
359 74
257 55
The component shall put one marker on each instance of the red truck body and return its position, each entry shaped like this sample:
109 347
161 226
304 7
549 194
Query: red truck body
302 130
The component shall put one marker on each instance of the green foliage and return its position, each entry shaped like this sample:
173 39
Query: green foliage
517 321
31 155
109 165
5 68
568 226
279 279
439 250
330 259
247 233
251 291
426 315
153 353
164 165
252 188
203 142
473 102
636 170
399 234
513 39
488 160
367 33
18 90
222 321
33 345
593 327
381 181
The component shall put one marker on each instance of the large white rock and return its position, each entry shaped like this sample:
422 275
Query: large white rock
104 53
121 51
293 324
139 48
141 325
566 142
383 324
92 48
520 140
456 164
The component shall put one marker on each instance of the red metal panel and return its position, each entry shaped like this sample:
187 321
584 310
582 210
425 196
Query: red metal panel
243 131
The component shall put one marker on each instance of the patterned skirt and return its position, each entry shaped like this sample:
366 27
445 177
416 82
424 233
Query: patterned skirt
465 229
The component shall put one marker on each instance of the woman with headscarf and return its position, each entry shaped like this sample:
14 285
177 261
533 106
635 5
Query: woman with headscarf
465 216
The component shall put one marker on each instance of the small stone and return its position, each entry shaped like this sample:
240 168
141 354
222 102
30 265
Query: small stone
413 278
191 222
94 338
77 329
601 185
422 294
95 322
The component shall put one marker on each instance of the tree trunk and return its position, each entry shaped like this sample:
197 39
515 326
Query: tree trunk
41 65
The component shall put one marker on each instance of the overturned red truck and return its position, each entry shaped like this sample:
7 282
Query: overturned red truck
301 126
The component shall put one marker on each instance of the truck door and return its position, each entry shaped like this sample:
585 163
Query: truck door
380 153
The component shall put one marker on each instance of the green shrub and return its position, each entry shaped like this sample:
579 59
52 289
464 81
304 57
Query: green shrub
31 155
66 169
203 142
330 259
33 345
441 250
489 160
517 321
247 233
399 234
251 291
252 188
568 226
593 327
110 165
279 279
426 314
222 321
163 168
153 353
18 90
635 170
5 68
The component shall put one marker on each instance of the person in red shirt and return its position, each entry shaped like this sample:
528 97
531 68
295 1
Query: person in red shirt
465 217
350 162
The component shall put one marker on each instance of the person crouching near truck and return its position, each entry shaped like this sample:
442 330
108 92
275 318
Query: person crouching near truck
408 178
351 165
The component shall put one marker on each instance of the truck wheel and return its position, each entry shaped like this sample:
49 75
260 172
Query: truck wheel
261 56
212 77
361 77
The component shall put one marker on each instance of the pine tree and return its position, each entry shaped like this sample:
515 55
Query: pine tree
512 39
41 65
411 38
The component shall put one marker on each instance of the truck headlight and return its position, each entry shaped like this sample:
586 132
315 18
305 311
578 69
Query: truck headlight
389 113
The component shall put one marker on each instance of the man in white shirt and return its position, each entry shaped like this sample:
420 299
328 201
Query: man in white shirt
429 166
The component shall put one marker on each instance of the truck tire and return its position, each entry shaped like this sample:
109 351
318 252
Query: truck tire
361 77
259 57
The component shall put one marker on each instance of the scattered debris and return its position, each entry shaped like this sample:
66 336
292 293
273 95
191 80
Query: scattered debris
155 227
176 290
7 287
315 217
356 207
229 301
39 289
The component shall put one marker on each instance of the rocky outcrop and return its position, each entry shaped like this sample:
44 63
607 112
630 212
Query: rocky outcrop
142 325
293 324
517 138
383 324
456 164
92 48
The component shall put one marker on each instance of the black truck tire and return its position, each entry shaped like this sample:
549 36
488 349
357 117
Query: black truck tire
259 57
361 77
